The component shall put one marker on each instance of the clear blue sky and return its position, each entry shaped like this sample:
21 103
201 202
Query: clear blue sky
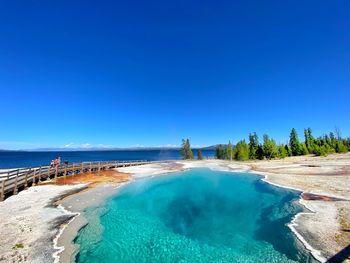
128 73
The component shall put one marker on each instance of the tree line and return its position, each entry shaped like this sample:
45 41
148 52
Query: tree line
269 149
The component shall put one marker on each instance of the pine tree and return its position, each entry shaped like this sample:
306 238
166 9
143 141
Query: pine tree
220 152
282 152
270 147
328 140
311 141
189 150
229 151
260 152
307 138
242 151
333 140
186 151
294 143
289 152
321 150
253 145
347 143
183 149
303 149
340 147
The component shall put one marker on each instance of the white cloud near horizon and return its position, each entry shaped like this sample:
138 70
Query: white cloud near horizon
86 145
68 145
138 146
198 146
168 145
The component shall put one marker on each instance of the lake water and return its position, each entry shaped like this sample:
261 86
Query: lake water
194 216
31 159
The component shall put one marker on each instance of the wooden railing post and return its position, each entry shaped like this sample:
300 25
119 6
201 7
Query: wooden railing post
2 193
56 171
26 179
65 171
48 172
34 178
15 190
39 179
90 167
99 166
82 168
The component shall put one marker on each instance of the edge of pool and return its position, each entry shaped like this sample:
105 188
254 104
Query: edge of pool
66 250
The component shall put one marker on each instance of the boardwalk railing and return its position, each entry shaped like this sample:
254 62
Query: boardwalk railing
13 180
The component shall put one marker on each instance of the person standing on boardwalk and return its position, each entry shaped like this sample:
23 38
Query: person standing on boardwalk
57 161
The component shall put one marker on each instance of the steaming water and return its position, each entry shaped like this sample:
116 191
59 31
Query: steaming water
194 216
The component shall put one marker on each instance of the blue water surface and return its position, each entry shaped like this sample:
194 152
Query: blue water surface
198 215
18 159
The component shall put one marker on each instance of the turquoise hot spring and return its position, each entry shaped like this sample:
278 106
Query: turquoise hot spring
198 215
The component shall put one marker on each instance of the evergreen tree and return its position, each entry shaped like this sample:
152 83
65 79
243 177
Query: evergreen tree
253 145
199 154
307 140
186 151
220 152
183 149
289 152
229 151
320 141
270 147
328 140
303 149
306 136
260 152
333 139
311 141
189 150
321 150
241 151
294 143
282 152
340 147
347 143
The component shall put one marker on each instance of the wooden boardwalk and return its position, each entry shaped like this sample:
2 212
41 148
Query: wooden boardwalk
14 180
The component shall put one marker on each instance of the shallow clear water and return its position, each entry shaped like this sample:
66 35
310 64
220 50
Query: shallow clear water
194 216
